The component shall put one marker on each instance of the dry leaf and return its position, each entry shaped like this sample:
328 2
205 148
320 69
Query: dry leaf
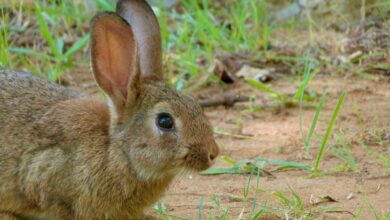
320 200
251 73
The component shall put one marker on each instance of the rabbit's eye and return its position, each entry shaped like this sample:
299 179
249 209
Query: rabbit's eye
164 121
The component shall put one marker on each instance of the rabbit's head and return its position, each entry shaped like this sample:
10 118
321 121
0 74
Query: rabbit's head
159 131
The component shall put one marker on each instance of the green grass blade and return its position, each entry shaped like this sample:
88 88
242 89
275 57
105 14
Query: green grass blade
314 122
258 214
200 208
29 52
249 166
289 164
77 46
5 61
247 185
300 94
308 76
285 200
329 130
46 33
105 5
297 198
265 88
60 45
347 153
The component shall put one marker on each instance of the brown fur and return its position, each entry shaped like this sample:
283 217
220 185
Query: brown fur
63 161
67 156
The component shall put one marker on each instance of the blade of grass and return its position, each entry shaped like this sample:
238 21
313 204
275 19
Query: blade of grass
200 208
345 154
4 38
328 131
300 94
46 33
33 53
248 166
246 186
105 5
266 89
315 120
77 46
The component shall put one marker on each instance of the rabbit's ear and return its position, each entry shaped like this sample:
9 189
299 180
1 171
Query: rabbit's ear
115 58
147 33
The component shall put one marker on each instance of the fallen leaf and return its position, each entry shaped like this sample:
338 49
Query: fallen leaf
320 200
252 73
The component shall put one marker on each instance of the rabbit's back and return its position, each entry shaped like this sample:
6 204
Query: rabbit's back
23 100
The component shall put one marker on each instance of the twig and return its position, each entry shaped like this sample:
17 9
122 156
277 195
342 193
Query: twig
227 99
238 136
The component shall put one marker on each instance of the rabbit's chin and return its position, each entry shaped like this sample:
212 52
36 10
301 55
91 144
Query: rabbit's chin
154 174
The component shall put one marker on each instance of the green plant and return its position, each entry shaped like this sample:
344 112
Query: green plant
383 158
5 61
314 121
161 210
252 166
344 152
328 131
202 29
293 207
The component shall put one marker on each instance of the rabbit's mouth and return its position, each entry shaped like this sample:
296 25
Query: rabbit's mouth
197 166
197 161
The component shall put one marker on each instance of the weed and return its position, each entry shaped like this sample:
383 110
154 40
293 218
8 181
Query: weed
382 158
203 28
293 207
328 131
343 151
314 121
252 166
5 61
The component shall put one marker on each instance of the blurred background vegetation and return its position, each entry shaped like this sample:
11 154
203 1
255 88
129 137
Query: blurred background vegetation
51 38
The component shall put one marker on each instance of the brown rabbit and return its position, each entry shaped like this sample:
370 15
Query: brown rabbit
67 156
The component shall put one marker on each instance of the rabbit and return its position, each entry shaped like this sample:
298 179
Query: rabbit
65 155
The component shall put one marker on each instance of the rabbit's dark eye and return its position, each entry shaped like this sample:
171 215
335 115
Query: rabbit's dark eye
165 121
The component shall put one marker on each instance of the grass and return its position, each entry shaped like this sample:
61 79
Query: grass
328 131
294 207
204 29
383 158
253 166
61 43
343 151
63 39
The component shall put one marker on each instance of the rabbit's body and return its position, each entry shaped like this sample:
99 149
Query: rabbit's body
43 145
64 155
